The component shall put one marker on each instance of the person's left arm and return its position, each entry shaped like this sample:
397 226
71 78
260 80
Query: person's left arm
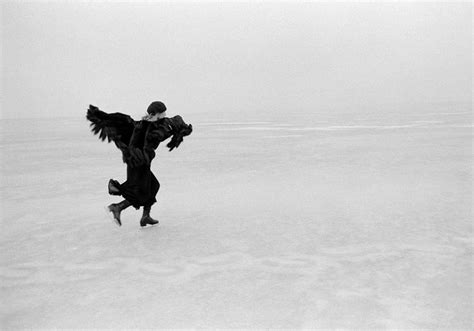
179 130
161 130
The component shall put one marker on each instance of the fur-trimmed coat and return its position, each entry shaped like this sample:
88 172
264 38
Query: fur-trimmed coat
137 140
147 136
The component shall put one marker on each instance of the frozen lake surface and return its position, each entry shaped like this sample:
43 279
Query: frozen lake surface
308 222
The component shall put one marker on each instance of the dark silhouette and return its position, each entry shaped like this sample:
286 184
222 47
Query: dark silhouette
137 140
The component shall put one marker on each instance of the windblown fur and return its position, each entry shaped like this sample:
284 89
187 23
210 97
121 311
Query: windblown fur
137 139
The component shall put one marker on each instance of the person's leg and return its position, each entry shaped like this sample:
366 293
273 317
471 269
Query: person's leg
146 218
137 189
116 209
154 186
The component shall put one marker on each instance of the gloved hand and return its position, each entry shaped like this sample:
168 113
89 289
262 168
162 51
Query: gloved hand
175 142
178 138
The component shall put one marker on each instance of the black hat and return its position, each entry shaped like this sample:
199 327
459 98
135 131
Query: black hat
156 107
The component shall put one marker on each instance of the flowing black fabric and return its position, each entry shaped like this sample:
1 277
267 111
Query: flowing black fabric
138 141
141 186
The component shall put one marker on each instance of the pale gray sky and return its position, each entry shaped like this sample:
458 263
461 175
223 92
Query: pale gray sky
224 57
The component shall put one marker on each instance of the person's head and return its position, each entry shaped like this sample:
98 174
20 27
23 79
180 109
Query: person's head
155 111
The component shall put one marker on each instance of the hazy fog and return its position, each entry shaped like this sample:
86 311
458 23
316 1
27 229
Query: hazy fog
348 204
225 57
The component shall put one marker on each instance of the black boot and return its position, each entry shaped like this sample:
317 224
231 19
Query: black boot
146 218
114 187
116 209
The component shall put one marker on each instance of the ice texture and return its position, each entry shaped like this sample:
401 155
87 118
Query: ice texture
299 222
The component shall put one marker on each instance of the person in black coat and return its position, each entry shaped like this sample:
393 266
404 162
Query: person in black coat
138 140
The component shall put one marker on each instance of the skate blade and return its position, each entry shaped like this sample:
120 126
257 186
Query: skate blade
110 215
149 225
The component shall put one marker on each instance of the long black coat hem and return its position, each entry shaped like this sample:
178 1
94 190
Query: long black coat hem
141 186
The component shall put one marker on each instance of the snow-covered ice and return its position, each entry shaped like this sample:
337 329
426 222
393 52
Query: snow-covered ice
264 223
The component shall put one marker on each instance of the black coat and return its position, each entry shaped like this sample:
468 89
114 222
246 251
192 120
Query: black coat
147 136
138 141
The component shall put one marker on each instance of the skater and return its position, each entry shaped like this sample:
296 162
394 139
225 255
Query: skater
137 140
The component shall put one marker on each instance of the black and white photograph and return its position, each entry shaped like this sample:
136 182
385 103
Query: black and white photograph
236 165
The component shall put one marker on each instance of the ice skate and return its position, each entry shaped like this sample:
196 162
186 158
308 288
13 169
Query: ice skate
147 220
114 187
114 212
115 209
